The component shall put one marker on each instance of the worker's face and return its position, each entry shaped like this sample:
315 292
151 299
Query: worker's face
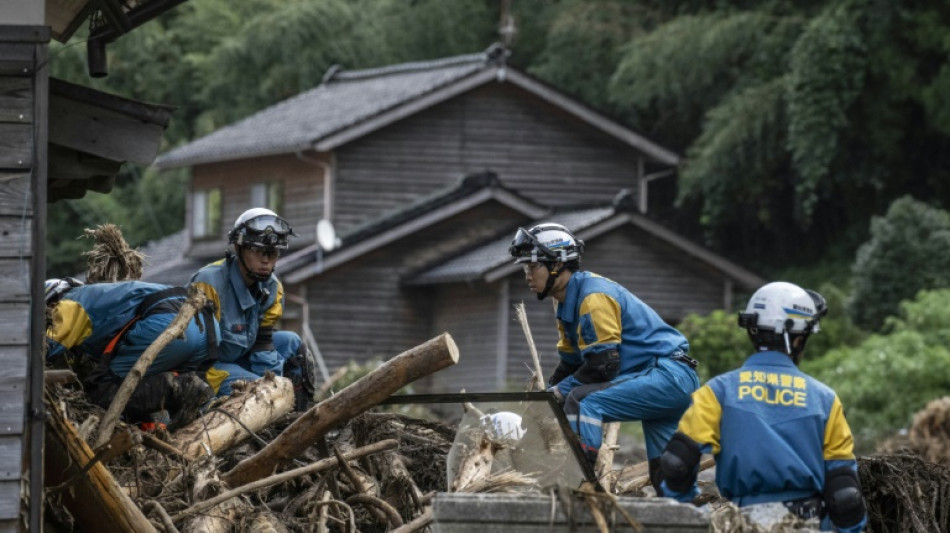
260 261
536 274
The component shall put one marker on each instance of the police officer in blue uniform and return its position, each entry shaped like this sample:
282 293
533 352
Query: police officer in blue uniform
101 330
779 436
249 300
619 361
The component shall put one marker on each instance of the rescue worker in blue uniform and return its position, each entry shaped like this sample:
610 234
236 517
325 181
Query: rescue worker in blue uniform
778 435
101 330
249 302
619 361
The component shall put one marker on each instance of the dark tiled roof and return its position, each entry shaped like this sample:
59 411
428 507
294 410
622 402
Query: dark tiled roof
295 264
343 100
495 254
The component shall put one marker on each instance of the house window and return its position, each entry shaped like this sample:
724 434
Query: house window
269 195
206 215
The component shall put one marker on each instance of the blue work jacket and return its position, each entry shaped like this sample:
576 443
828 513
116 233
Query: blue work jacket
240 313
599 314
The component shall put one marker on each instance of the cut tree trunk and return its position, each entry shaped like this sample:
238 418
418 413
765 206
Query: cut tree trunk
93 498
420 361
264 402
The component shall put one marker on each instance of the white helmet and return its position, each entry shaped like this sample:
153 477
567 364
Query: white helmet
783 307
261 228
56 288
503 427
547 242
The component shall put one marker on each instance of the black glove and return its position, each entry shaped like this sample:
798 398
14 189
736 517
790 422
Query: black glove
563 370
264 341
189 393
599 367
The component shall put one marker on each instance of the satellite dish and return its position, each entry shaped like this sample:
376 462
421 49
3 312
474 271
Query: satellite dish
326 235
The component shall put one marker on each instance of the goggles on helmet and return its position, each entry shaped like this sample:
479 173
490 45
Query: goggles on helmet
525 248
263 223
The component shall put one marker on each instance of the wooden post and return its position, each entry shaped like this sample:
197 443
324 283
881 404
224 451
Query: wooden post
427 358
94 498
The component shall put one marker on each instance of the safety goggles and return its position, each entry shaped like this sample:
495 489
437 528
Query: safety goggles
525 247
269 224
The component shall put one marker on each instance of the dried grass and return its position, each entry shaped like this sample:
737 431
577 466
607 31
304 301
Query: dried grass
111 259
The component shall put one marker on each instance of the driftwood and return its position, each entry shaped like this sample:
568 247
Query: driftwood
322 464
218 515
537 379
636 477
196 300
367 392
94 499
604 466
261 403
59 376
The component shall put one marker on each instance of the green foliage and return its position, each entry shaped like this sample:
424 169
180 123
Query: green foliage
909 250
827 75
716 341
883 381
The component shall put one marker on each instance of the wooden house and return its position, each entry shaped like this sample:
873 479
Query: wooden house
426 170
59 140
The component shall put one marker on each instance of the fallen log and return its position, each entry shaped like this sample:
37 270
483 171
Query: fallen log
263 402
367 392
94 499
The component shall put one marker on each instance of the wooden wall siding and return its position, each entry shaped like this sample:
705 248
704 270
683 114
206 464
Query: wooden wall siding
532 146
303 196
470 314
20 95
371 315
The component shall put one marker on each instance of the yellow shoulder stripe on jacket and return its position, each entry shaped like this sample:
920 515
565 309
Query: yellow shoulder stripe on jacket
839 443
702 421
212 295
71 324
604 314
275 311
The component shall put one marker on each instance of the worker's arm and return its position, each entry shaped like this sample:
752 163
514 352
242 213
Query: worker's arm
71 326
598 338
842 491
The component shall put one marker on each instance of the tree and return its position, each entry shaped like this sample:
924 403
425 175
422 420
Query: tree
884 380
799 120
909 251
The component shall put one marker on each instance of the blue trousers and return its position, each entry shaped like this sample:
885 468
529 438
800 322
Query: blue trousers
180 354
657 397
253 365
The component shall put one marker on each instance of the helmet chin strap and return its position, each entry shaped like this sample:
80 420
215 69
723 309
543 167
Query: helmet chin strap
552 277
253 275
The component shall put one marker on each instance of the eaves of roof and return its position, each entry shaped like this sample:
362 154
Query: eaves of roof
352 104
471 191
492 262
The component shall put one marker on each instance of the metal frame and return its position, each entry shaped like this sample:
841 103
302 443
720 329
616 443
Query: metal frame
472 397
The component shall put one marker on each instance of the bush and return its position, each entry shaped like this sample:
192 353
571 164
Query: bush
912 235
716 341
886 379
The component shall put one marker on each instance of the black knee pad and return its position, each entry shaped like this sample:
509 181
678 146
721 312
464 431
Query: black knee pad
679 463
843 497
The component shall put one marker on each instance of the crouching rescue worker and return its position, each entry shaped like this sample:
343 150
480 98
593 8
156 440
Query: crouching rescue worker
250 300
619 360
778 435
101 330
